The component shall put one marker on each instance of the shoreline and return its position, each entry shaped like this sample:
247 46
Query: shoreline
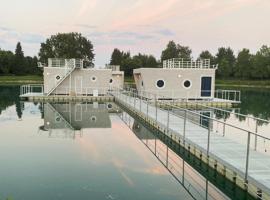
34 79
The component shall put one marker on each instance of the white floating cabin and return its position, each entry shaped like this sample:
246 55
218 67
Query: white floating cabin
73 77
178 79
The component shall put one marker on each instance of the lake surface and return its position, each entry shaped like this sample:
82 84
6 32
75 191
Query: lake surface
97 151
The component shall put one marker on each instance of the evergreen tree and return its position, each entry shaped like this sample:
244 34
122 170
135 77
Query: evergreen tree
18 67
116 57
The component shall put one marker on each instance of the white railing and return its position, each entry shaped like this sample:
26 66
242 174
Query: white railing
113 67
160 114
31 89
194 95
181 63
61 62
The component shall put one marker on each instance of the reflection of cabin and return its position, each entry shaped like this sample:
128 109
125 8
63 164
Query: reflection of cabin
77 116
178 79
72 77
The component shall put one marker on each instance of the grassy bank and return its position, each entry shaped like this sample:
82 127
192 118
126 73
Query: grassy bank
18 80
244 83
33 79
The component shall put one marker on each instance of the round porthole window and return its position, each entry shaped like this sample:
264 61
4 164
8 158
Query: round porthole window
57 77
93 118
93 78
57 119
160 83
109 106
111 80
187 84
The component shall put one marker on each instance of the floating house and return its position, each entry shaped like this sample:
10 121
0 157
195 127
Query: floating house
73 77
178 79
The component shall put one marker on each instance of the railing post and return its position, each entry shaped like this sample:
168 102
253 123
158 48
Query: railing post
140 101
168 120
156 106
184 127
208 140
147 108
256 131
247 158
224 127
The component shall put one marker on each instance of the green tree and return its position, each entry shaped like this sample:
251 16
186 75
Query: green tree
226 62
67 45
261 63
19 66
243 66
206 55
7 59
116 57
174 50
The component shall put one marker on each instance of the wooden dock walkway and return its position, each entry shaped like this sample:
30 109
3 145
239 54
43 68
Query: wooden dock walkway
246 167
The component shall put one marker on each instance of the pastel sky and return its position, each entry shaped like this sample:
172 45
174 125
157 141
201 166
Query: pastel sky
137 25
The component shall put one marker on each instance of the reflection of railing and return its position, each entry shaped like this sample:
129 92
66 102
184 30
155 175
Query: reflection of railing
190 179
31 89
181 63
237 155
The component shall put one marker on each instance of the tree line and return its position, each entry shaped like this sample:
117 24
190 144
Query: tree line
18 64
244 65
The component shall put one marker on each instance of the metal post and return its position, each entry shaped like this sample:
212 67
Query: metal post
156 106
134 101
140 101
183 172
206 190
147 108
256 131
247 157
184 131
208 139
167 156
224 129
155 145
168 120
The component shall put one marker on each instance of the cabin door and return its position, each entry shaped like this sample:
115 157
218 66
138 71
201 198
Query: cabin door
78 85
206 86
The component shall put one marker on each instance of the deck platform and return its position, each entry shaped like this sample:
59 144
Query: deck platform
40 97
226 155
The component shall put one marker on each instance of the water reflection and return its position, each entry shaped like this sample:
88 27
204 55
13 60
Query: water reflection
196 184
69 120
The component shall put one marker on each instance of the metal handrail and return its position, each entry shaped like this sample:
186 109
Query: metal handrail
181 63
199 114
196 95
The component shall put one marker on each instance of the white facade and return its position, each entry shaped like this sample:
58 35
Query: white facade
178 79
69 77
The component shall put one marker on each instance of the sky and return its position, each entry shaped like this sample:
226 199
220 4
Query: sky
143 26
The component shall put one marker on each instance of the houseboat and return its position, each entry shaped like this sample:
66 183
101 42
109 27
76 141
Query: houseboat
72 77
178 79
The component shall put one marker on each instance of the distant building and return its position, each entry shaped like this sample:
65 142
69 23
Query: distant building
178 79
72 77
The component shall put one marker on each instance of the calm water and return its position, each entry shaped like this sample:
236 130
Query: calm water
96 151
